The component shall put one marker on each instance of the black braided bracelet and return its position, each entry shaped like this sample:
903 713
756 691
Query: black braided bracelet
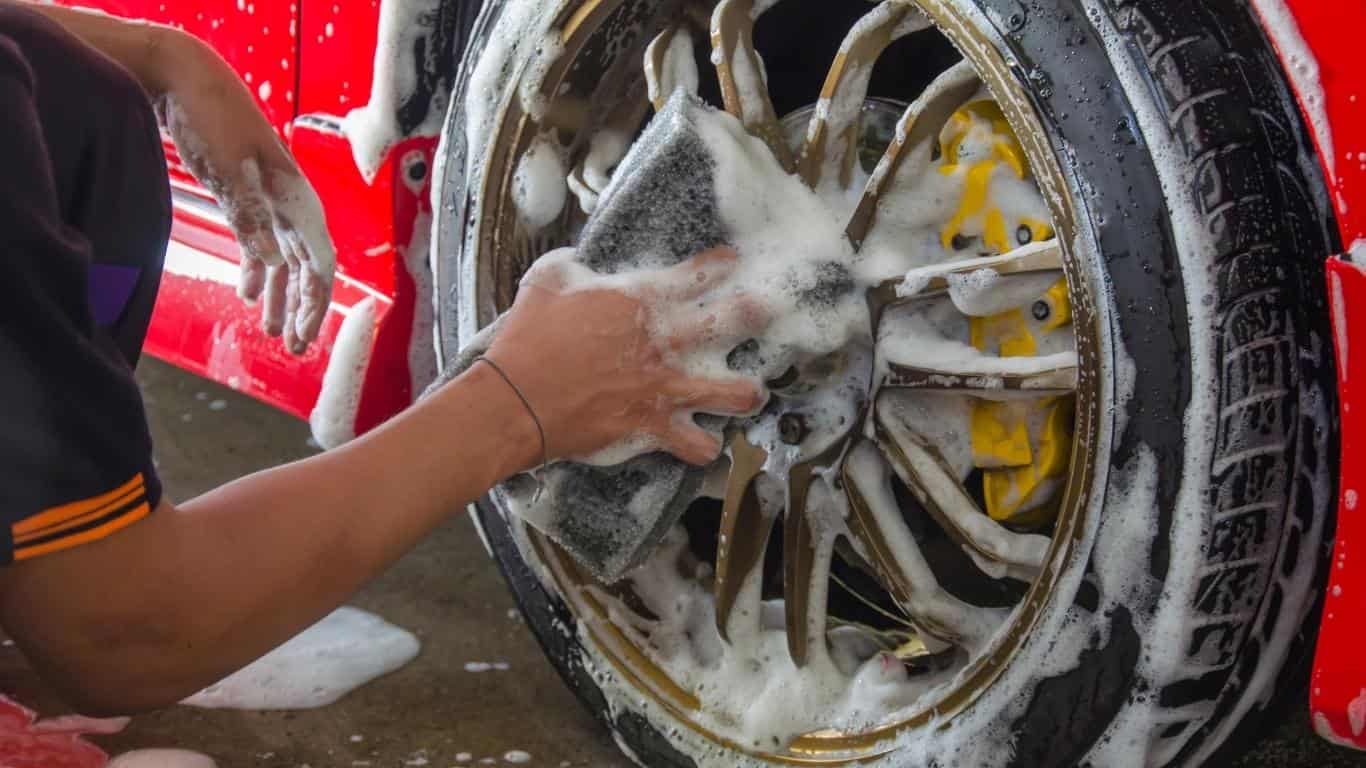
545 451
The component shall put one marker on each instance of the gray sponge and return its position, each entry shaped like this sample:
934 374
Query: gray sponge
659 209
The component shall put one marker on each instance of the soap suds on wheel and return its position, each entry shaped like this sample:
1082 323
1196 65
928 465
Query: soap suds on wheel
538 187
696 178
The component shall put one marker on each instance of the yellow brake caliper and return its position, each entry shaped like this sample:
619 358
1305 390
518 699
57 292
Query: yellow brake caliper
977 141
1022 446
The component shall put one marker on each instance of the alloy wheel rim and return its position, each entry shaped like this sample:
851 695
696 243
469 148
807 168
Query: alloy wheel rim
910 458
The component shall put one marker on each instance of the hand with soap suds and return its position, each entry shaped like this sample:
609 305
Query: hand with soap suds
597 357
230 147
225 141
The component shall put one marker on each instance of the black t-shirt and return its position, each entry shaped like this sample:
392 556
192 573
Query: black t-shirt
84 220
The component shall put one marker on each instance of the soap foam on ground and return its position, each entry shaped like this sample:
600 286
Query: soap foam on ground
344 651
162 758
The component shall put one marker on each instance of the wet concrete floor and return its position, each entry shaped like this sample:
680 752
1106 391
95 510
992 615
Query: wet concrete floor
433 712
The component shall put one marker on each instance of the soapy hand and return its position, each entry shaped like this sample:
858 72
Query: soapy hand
228 145
598 359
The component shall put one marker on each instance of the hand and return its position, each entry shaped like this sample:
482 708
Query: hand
227 144
598 357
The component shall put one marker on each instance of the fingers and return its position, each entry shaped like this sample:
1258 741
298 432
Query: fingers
299 230
723 397
315 293
694 277
550 271
288 247
690 442
314 288
273 306
293 343
251 279
727 322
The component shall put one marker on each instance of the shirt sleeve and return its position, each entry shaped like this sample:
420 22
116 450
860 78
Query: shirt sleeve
75 452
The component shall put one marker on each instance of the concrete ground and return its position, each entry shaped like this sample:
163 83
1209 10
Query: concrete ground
433 712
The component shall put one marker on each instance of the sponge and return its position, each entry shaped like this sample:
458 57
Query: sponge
658 210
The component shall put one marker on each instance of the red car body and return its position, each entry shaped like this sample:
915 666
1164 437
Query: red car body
312 61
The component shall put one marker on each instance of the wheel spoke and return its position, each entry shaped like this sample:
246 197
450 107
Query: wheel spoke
669 64
745 528
829 151
799 557
1044 256
740 70
1044 376
918 127
875 519
936 486
1035 259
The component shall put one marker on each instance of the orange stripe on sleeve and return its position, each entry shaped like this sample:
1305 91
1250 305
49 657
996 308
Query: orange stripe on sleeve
94 534
57 516
132 496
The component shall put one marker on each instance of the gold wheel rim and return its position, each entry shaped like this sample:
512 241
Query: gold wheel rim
498 231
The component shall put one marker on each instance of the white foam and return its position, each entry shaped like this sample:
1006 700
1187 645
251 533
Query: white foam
679 69
751 684
538 185
1303 67
1356 713
519 25
373 129
422 343
345 650
162 758
333 419
605 150
1325 731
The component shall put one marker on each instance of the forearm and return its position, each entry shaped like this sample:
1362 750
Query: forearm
140 47
194 592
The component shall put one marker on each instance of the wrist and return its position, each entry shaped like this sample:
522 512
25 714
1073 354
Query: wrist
172 57
515 433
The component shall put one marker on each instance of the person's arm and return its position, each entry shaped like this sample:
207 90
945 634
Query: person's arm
175 602
223 138
140 47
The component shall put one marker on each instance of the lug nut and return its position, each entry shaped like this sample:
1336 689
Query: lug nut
1041 310
792 428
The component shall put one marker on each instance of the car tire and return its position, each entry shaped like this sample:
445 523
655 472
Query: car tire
1205 222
